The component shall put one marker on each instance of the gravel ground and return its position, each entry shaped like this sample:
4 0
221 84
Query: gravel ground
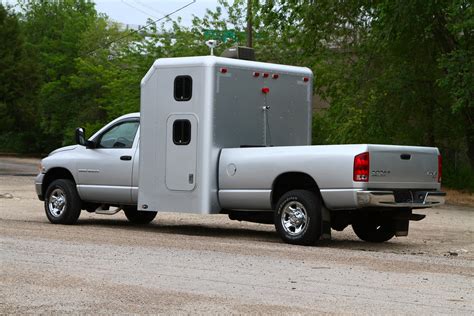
183 263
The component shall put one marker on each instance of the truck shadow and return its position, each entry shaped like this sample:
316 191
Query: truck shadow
186 229
261 233
394 245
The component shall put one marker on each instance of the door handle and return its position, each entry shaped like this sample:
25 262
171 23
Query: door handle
125 157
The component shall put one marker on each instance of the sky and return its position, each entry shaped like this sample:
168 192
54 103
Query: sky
138 11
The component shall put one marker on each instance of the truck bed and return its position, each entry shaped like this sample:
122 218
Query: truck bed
251 172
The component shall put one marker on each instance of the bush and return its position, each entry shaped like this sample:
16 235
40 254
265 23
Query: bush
461 177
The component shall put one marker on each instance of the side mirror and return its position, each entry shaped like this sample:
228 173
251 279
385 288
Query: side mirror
81 138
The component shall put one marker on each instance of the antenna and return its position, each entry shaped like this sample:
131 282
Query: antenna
211 44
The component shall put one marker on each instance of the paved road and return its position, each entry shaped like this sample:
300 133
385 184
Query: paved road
208 264
18 166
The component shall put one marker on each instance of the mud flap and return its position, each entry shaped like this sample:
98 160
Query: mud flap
402 222
401 227
326 224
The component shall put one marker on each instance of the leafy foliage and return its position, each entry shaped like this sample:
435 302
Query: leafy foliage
18 78
394 72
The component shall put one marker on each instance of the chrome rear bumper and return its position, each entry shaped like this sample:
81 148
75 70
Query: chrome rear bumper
418 199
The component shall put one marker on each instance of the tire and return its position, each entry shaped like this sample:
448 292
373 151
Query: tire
298 217
62 203
376 231
138 217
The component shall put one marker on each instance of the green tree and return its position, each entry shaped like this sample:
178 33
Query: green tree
18 78
396 72
457 63
55 30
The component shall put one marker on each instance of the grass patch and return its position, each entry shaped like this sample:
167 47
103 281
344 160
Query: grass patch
458 197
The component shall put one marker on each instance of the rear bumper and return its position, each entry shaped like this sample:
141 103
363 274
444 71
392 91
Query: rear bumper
417 199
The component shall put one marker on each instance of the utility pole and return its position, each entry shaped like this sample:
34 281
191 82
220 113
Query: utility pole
249 23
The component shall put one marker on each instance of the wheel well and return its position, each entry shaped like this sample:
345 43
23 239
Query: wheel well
54 174
292 181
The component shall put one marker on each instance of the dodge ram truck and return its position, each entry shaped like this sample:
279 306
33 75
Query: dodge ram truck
227 136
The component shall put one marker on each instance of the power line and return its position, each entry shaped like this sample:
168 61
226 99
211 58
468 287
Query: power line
149 7
141 28
138 9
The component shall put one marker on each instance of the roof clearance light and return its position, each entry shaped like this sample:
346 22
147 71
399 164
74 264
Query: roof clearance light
305 79
265 75
265 90
223 70
275 76
256 74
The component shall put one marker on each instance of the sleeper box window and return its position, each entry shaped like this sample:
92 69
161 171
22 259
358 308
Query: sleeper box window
181 132
183 88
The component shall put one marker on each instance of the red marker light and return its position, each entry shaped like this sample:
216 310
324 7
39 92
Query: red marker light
256 74
305 79
223 70
361 167
265 90
265 75
275 76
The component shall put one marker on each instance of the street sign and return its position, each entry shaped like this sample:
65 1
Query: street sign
223 36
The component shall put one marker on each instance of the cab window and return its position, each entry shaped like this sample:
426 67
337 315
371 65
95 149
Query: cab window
119 136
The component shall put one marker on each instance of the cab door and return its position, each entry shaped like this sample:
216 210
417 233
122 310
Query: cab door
105 172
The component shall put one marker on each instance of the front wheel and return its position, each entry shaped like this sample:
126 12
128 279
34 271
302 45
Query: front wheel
138 217
62 203
298 217
372 230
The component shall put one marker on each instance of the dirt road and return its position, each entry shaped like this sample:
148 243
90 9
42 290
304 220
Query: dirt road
209 264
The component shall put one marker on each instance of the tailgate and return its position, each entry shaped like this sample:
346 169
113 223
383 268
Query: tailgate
403 167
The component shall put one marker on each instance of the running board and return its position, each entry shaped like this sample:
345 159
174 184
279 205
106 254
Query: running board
105 210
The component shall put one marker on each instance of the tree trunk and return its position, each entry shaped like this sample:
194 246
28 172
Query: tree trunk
249 24
469 114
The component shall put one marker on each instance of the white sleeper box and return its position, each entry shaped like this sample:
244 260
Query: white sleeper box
181 139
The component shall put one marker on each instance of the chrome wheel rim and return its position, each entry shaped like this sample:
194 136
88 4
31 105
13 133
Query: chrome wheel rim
294 218
57 202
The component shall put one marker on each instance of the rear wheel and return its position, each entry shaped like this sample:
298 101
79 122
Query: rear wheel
62 204
298 217
138 217
374 230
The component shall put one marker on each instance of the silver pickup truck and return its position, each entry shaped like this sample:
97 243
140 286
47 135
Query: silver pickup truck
372 187
200 145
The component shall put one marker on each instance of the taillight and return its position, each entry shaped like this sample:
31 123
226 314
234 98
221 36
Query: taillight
440 168
361 167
